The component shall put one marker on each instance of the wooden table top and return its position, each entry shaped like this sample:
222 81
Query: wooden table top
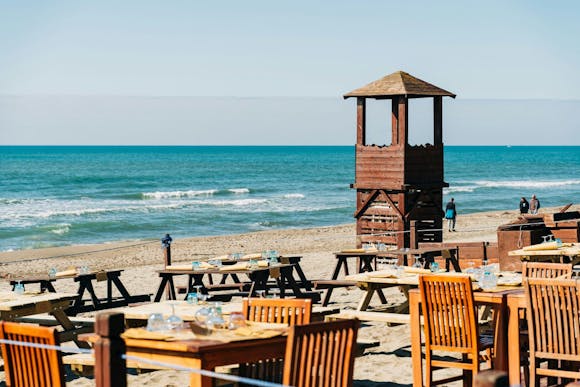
223 270
420 251
11 300
570 251
65 274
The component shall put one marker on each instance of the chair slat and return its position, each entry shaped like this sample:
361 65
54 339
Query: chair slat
330 360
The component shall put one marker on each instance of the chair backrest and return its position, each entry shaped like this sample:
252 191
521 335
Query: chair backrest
321 354
546 270
553 312
291 311
29 366
449 313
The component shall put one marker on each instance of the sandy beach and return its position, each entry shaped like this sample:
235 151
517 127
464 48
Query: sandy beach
388 364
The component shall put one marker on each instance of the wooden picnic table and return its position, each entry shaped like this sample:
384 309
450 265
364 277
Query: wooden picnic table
375 284
505 304
85 280
282 273
566 254
427 255
366 260
137 315
14 306
206 354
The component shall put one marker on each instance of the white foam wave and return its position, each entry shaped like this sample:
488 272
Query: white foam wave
527 183
178 194
61 229
239 190
237 203
458 189
294 196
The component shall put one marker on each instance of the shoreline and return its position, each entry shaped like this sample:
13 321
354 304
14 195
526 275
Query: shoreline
479 226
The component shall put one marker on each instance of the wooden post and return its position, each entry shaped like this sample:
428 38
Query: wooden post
361 113
438 120
166 246
110 367
414 241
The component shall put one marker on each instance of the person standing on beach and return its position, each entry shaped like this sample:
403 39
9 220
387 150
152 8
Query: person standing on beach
524 206
534 205
450 214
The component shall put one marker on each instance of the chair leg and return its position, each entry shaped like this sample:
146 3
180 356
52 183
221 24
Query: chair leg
428 369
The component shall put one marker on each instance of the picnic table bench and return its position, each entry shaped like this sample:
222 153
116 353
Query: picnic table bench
85 281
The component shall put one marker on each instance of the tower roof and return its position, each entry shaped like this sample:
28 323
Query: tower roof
399 83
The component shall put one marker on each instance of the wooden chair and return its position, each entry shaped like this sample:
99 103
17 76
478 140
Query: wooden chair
538 270
28 366
321 354
546 270
451 326
553 312
290 311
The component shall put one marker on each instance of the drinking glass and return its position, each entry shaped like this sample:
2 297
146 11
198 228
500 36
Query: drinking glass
417 263
19 288
156 322
192 298
434 267
52 273
488 280
215 319
237 320
261 293
173 321
195 265
253 264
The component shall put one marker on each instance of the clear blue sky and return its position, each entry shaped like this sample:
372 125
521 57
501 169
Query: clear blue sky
478 50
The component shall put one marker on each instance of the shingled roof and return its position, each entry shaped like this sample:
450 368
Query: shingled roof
399 83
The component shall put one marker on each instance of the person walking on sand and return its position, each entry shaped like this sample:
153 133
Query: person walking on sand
524 206
450 214
534 205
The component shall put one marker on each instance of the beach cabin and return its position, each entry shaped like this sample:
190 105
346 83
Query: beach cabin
399 185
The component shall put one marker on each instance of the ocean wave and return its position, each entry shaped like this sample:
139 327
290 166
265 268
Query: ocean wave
237 203
459 189
294 196
239 190
527 183
179 194
61 229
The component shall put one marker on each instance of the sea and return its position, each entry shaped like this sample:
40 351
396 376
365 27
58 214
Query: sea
65 195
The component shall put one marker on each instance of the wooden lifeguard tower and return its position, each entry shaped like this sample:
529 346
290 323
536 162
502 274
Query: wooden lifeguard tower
399 185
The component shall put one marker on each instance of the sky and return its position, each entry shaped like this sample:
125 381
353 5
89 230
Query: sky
108 72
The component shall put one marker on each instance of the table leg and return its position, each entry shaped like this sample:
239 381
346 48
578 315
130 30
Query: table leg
364 303
307 285
288 278
341 261
416 339
514 342
67 325
121 288
162 286
85 285
197 380
501 337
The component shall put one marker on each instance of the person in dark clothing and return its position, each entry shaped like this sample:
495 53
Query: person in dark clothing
524 206
450 214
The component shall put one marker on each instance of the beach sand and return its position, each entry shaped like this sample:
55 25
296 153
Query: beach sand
388 364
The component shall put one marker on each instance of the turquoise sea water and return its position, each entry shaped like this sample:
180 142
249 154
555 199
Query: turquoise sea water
52 196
